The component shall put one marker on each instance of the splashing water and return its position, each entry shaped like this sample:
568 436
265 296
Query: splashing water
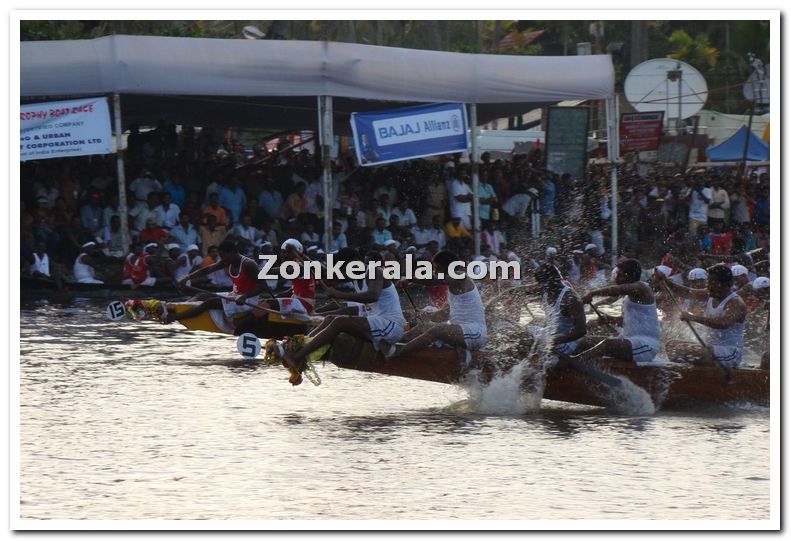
630 399
506 393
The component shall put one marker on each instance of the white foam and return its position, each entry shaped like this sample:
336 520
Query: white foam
505 394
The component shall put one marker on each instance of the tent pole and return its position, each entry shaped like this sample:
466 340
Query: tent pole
613 151
476 202
123 208
747 142
325 140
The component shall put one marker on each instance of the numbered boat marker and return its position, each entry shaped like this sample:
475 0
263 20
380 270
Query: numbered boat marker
248 345
116 311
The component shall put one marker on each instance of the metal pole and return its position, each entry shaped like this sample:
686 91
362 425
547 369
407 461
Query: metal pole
325 142
123 209
476 203
613 151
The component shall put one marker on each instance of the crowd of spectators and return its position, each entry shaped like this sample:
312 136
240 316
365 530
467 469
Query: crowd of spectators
188 190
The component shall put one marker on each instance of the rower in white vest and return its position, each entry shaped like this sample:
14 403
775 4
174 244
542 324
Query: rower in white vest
84 265
460 324
723 318
39 268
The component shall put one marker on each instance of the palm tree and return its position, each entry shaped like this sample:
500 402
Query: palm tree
696 51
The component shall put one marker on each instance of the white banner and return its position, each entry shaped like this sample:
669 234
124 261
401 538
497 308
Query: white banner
64 129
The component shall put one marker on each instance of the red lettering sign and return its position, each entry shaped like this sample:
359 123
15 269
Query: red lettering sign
640 131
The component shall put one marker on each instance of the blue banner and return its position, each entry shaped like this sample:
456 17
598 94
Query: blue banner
411 132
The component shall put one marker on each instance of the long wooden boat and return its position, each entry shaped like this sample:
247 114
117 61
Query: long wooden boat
671 385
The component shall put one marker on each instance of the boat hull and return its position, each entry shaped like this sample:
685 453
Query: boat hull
671 386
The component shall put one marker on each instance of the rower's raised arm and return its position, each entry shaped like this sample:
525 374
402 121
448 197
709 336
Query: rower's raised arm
686 292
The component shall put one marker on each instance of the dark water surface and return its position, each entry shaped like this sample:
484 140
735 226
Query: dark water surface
141 421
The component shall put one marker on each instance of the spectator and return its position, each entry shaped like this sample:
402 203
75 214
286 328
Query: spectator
384 209
153 233
296 204
380 235
406 217
437 232
143 185
761 210
112 238
436 199
112 209
309 237
192 208
170 212
338 241
143 211
185 233
211 234
173 186
214 209
546 203
91 214
460 195
720 205
740 205
486 196
699 200
233 198
270 200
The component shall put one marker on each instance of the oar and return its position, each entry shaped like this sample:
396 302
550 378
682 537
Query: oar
414 307
587 369
300 317
726 372
599 314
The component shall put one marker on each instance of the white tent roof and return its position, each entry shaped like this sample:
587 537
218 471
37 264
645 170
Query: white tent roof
265 82
236 67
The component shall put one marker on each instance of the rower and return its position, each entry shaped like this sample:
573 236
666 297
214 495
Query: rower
350 308
464 323
724 316
384 324
243 273
39 267
697 278
302 295
638 342
563 310
85 265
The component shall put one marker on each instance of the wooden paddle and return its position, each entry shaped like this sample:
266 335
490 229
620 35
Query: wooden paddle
599 315
297 316
587 369
725 370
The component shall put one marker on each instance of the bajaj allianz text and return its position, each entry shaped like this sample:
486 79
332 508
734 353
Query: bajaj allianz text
391 270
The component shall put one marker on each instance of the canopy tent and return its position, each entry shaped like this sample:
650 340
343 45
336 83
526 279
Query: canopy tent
272 83
732 149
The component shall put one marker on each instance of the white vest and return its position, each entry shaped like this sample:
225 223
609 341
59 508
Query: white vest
467 308
732 336
40 264
387 306
81 270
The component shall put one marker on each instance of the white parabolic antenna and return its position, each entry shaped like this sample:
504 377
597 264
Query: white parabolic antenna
668 85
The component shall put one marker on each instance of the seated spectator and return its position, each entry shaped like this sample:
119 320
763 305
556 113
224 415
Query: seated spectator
270 200
406 217
143 185
91 214
142 212
192 209
491 236
170 212
421 232
173 187
185 233
338 241
384 208
245 235
233 198
153 233
309 237
112 238
211 234
214 209
296 204
437 232
380 235
721 241
456 234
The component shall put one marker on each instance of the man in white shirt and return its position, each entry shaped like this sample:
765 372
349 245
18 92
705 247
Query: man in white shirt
422 233
437 232
246 235
144 185
170 212
145 210
720 205
517 205
338 241
406 218
699 200
185 233
460 197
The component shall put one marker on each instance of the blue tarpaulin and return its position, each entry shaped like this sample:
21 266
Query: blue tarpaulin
732 149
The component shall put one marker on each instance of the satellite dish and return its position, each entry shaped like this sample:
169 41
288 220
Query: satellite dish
757 87
667 85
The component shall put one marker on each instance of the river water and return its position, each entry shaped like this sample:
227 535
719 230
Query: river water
129 420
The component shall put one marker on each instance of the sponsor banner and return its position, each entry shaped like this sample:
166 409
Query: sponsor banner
640 131
567 141
412 132
65 128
